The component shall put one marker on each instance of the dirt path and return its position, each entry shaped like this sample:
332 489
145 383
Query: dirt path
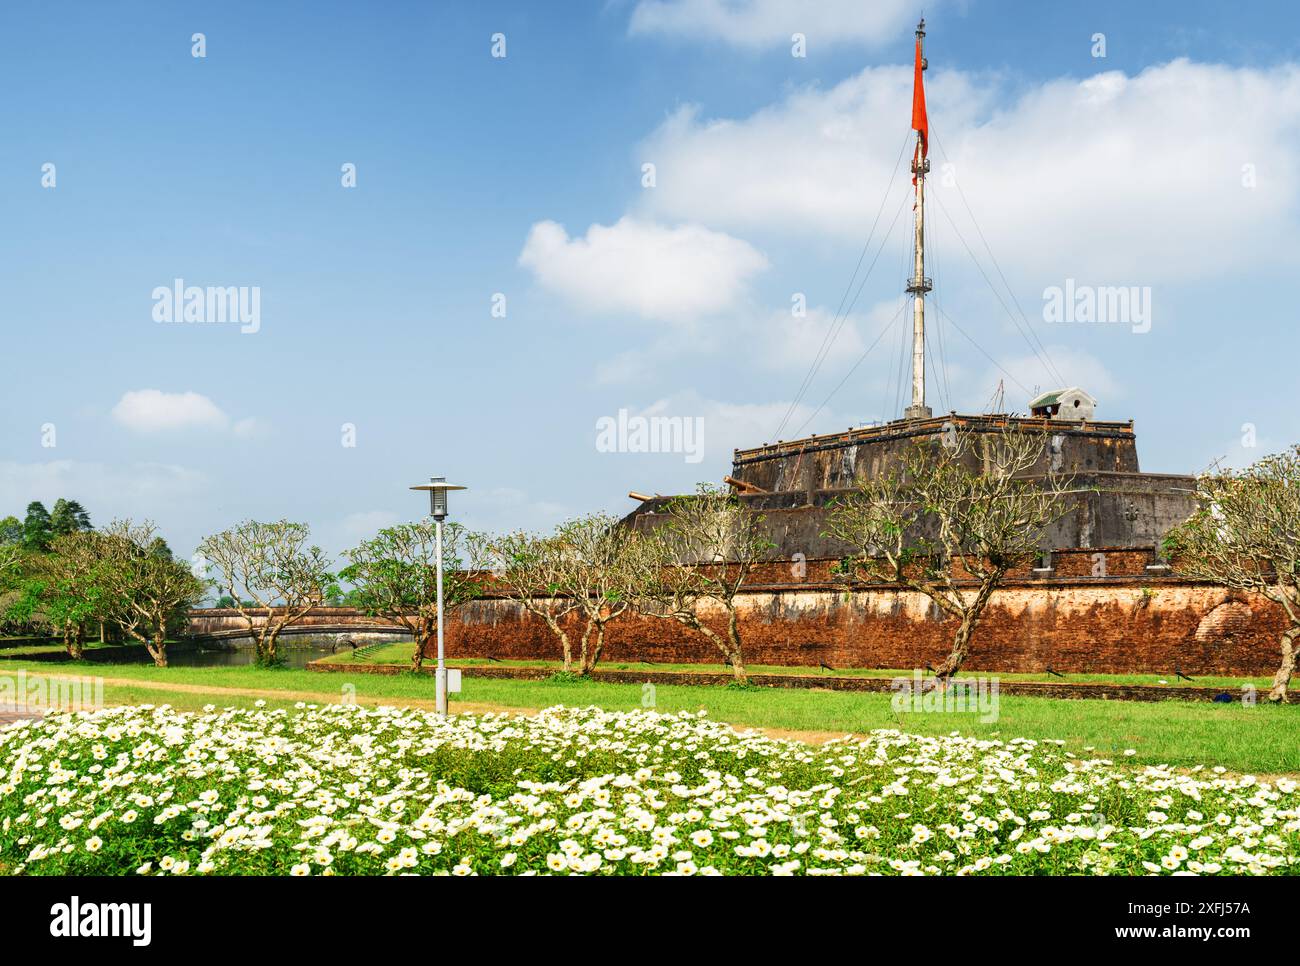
327 697
317 697
7 715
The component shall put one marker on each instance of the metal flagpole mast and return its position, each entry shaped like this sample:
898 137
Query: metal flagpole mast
918 284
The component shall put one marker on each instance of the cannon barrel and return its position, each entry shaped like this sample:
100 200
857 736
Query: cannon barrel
742 486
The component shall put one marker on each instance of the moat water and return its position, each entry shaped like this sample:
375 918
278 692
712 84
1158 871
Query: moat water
293 657
181 656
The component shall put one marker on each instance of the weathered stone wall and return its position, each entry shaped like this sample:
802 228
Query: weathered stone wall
840 459
1126 622
1100 511
1112 626
1110 503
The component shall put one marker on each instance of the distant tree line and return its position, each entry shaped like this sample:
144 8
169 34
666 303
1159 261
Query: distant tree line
39 526
60 576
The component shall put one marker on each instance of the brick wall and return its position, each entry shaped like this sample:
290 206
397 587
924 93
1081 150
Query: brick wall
1119 624
1110 627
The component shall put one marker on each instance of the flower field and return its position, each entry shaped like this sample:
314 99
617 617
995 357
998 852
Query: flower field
345 790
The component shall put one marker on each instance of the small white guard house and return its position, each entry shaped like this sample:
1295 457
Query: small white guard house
1072 403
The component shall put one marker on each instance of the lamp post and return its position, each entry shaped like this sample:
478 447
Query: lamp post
438 488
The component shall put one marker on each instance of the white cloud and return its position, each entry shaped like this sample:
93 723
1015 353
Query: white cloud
634 365
656 272
774 341
495 509
355 527
184 503
250 428
783 342
1077 368
1242 451
729 425
152 411
502 508
762 23
155 411
1113 179
137 490
368 523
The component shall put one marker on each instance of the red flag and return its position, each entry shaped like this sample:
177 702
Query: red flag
920 122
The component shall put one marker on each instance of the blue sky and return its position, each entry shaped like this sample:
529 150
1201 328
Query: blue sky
522 175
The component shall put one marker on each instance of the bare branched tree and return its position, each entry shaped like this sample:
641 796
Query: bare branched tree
10 559
949 529
596 572
11 571
529 569
1245 534
700 557
152 591
272 565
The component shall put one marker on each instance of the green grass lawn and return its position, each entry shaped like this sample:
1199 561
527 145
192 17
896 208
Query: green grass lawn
399 653
56 648
1260 739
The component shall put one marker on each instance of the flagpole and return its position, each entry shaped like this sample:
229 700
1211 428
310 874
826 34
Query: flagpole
918 284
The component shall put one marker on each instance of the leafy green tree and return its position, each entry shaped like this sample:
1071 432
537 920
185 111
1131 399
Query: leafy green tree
13 567
395 576
67 589
68 516
37 532
11 531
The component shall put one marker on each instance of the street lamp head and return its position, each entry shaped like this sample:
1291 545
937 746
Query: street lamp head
438 488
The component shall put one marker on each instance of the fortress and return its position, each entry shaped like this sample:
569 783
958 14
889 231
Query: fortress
1099 598
1110 505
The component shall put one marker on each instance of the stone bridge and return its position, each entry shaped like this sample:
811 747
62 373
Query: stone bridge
320 625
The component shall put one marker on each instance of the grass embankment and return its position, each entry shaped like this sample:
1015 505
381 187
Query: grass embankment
399 653
1261 739
55 648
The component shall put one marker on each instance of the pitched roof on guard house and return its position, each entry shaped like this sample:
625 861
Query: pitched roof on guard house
1070 403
